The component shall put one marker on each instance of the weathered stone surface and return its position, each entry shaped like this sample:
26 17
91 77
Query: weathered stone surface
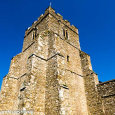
52 76
106 91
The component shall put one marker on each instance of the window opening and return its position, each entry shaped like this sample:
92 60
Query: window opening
65 34
67 58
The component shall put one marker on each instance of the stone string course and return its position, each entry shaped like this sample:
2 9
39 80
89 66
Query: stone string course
41 78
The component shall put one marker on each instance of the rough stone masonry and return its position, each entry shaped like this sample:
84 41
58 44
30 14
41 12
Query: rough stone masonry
52 76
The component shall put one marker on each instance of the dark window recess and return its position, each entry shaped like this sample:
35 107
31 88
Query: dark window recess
65 34
65 87
36 32
34 35
67 58
23 89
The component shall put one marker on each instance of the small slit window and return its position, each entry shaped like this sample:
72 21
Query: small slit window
36 32
65 33
23 89
67 58
33 36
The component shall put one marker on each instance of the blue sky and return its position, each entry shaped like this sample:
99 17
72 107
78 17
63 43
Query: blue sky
95 20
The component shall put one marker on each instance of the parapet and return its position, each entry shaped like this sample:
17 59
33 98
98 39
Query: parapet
107 88
41 16
67 22
51 11
61 17
85 61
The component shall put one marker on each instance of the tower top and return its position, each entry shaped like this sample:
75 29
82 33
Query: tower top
49 9
57 16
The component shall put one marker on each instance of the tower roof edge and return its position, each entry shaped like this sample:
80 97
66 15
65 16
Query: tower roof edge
49 9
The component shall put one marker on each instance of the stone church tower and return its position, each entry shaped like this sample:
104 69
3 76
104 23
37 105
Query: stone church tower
52 76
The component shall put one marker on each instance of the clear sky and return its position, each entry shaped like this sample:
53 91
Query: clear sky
95 20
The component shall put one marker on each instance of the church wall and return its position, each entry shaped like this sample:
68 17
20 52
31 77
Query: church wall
57 26
18 69
106 91
34 96
8 93
41 26
94 103
70 76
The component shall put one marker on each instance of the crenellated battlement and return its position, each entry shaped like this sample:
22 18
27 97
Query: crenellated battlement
106 89
59 17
